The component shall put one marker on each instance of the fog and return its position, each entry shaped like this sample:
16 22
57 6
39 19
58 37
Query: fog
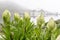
34 7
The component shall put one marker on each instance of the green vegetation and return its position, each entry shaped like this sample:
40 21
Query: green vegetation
21 28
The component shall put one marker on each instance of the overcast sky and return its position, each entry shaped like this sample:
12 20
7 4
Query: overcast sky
48 5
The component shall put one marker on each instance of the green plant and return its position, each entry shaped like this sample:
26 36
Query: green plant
21 28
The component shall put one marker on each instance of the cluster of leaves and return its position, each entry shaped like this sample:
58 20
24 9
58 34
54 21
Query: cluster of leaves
21 28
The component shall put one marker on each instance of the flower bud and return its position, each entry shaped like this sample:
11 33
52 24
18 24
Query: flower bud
40 20
16 16
51 24
6 16
26 15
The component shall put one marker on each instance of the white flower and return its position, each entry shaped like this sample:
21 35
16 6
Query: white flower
6 13
58 38
16 16
40 19
51 23
26 15
6 16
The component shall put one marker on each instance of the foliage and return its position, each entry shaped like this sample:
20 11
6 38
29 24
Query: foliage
21 28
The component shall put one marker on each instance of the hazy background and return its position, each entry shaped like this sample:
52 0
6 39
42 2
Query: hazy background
34 7
50 5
